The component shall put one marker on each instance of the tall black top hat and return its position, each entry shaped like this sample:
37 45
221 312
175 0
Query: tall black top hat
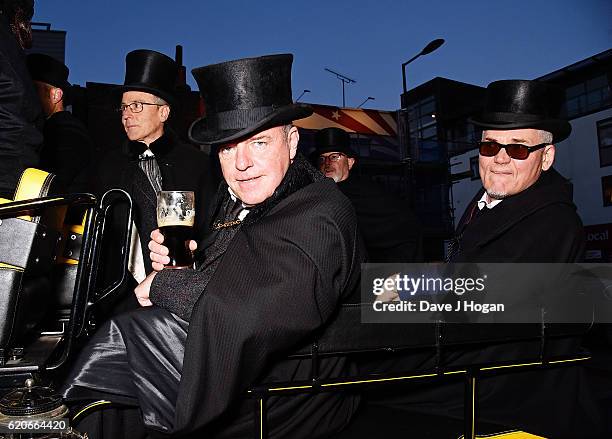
333 140
151 72
243 97
515 104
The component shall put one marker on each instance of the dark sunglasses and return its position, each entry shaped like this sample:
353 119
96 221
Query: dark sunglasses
517 151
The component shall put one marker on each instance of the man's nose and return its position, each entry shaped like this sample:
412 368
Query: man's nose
243 158
502 157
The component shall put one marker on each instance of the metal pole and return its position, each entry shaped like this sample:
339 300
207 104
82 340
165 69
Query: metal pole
404 70
343 101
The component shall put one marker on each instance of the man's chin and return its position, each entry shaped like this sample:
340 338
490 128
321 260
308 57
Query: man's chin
333 176
494 195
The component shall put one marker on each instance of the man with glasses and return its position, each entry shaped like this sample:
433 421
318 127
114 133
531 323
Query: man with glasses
390 229
153 158
524 212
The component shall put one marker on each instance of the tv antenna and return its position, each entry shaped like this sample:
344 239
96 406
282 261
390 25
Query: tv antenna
344 79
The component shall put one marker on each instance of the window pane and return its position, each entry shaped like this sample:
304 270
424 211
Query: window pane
604 135
575 90
598 82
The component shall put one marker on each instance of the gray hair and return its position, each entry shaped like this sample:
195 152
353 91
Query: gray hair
159 100
287 128
545 136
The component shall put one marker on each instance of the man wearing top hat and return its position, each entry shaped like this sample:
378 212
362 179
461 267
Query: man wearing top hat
524 212
263 283
153 157
390 230
67 149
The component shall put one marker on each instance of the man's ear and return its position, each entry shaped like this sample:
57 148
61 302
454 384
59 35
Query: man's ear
56 94
293 138
165 112
351 162
548 157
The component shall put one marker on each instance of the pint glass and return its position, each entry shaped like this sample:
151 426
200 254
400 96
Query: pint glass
175 218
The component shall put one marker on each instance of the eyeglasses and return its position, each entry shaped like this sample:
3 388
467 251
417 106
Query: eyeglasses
517 151
332 157
136 107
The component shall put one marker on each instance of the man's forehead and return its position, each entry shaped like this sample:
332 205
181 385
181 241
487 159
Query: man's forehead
515 136
327 154
133 95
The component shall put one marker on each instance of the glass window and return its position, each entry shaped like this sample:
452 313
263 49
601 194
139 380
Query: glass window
421 120
604 136
606 189
587 96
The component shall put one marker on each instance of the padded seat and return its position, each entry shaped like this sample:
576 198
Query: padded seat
29 245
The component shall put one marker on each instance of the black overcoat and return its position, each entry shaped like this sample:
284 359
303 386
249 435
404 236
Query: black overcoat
539 224
21 117
281 278
67 151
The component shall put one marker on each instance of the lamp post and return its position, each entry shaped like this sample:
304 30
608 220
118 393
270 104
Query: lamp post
369 98
431 46
303 93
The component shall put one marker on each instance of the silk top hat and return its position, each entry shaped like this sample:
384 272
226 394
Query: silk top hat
516 104
46 69
333 140
151 72
243 97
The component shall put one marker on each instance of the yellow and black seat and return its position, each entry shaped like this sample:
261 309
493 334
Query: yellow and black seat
47 275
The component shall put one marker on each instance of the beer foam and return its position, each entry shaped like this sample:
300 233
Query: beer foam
167 222
169 216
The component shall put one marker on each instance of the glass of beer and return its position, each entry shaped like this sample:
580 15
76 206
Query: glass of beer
175 219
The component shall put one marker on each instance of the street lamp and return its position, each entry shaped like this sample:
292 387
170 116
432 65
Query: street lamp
369 98
303 93
433 45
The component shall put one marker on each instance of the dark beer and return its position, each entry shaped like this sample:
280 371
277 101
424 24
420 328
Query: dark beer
176 238
175 219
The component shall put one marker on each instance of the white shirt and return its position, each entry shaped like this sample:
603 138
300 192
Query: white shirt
244 212
483 202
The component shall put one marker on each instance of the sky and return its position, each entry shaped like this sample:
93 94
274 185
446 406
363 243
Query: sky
366 40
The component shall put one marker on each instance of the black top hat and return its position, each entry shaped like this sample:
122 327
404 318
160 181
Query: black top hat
46 69
243 97
515 104
151 72
333 140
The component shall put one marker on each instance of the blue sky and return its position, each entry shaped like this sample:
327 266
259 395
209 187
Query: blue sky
365 40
